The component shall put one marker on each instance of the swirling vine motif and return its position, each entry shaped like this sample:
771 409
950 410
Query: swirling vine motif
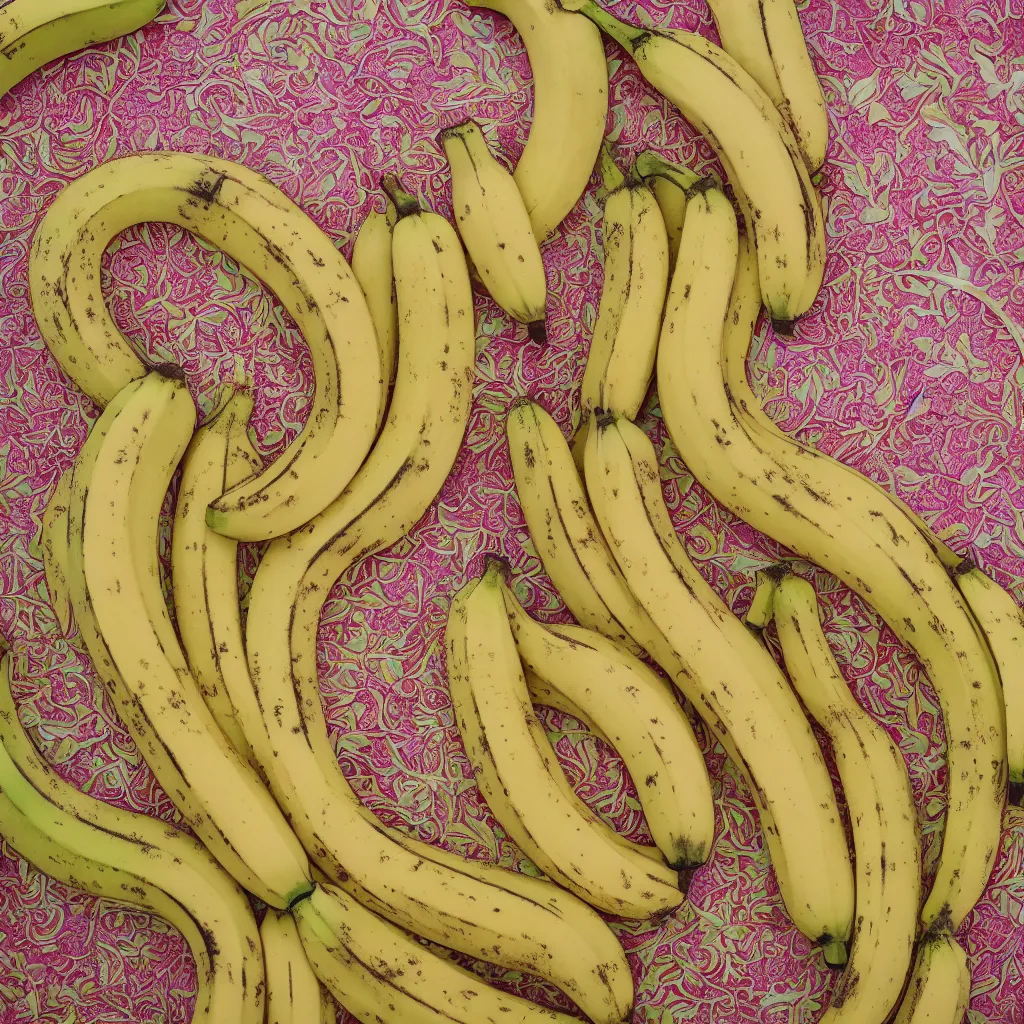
907 376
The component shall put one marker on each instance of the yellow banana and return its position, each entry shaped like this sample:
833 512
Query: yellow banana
940 987
506 744
570 107
293 991
671 201
642 721
495 227
886 844
54 542
242 213
33 32
836 518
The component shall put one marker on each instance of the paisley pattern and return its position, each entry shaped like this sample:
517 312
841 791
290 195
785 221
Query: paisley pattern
909 367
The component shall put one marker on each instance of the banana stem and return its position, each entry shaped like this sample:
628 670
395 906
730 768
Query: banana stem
405 203
650 165
762 607
611 176
630 37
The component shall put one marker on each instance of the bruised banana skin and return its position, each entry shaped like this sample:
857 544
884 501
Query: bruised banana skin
886 843
242 213
137 655
570 107
478 909
33 32
504 744
642 721
184 883
835 517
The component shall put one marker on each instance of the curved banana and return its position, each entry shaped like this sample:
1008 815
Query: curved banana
887 847
120 481
570 107
642 721
478 909
495 227
730 678
726 104
671 200
229 966
372 266
53 538
383 975
33 33
542 693
620 362
294 995
242 213
505 744
835 517
940 987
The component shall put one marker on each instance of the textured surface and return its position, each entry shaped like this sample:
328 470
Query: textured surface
907 376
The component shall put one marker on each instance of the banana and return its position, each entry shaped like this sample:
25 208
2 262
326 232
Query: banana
887 848
54 543
568 539
372 267
522 923
570 107
765 38
671 201
620 362
382 975
835 517
242 213
731 680
165 860
119 487
508 750
940 987
725 104
541 693
33 33
204 568
293 991
495 227
642 721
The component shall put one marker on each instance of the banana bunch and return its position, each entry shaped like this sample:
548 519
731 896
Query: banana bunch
123 855
32 33
242 213
494 225
760 154
294 995
620 362
119 483
731 680
570 106
603 684
519 775
830 515
940 987
886 844
765 38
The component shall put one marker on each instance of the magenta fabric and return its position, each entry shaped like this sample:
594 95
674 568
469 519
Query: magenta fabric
909 367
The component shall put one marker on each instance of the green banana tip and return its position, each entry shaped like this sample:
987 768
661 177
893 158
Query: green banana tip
834 951
405 203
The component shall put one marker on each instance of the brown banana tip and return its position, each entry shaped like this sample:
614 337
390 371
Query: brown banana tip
169 370
962 568
603 418
686 879
405 203
942 925
698 188
537 332
497 565
519 403
777 572
787 328
1016 789
303 896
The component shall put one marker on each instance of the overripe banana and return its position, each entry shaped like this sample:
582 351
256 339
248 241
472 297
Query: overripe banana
509 750
620 361
765 38
242 213
837 518
495 227
727 105
886 845
372 266
167 860
731 680
53 539
32 32
940 987
523 923
294 995
204 568
570 107
120 481
382 975
640 718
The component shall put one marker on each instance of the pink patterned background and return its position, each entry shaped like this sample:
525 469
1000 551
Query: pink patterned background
908 376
